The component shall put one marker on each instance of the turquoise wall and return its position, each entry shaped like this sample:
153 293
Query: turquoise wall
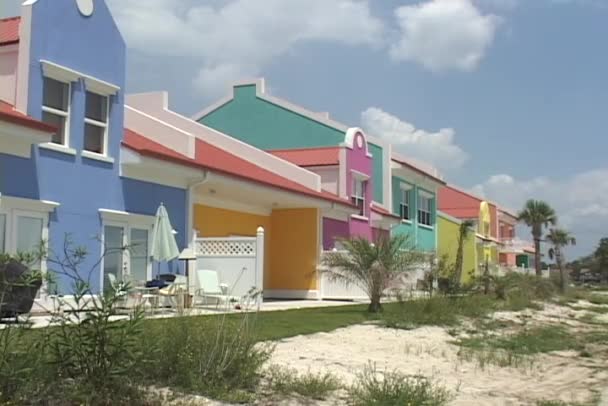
378 167
423 237
268 126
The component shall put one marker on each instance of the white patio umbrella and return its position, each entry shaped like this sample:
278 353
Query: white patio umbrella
164 247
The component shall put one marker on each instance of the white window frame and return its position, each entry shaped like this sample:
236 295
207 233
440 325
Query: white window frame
127 221
65 114
406 195
426 211
13 208
355 198
98 124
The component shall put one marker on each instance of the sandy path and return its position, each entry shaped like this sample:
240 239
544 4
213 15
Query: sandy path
427 351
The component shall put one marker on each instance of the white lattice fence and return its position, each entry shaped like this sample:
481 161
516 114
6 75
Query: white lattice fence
225 247
239 261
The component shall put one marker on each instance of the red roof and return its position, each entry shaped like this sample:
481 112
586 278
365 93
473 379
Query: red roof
208 156
418 170
9 30
10 115
326 156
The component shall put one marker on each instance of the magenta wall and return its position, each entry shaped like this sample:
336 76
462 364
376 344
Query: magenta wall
358 160
333 229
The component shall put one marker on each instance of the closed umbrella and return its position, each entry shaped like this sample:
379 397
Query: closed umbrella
164 247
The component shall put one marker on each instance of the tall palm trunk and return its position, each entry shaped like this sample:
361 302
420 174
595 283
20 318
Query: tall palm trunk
537 264
536 233
562 271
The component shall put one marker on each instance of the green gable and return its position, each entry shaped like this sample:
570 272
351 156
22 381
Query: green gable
266 125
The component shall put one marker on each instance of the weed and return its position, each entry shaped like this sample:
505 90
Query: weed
317 386
394 388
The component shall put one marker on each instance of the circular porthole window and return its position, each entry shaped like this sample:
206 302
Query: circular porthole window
359 141
85 7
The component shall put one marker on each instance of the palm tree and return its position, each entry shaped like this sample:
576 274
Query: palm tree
463 231
374 267
559 239
537 214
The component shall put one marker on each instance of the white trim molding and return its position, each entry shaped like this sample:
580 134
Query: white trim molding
58 148
126 217
65 74
96 156
20 203
349 139
359 175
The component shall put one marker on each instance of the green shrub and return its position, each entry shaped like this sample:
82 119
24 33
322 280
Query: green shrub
317 386
214 356
393 388
437 311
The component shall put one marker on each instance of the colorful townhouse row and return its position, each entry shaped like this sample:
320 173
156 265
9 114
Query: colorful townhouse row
81 161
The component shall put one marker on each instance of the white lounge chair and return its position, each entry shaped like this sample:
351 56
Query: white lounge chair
175 292
209 287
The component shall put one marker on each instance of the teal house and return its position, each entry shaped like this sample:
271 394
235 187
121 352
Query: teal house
404 195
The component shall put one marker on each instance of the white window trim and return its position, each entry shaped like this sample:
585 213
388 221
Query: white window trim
128 221
100 124
354 195
97 157
65 114
58 148
429 197
359 175
406 192
65 74
12 207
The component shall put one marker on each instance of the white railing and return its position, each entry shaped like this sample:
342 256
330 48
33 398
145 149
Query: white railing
239 261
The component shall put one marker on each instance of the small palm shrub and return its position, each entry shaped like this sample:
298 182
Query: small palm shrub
373 266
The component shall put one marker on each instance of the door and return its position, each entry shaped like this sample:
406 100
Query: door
127 255
114 265
28 232
138 263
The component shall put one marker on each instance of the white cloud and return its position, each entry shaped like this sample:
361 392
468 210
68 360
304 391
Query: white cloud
444 34
436 148
230 40
581 200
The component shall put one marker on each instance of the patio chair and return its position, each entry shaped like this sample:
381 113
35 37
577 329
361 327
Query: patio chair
175 292
209 287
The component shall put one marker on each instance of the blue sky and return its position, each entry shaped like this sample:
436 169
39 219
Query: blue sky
519 87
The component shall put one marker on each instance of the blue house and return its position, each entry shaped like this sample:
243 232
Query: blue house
61 129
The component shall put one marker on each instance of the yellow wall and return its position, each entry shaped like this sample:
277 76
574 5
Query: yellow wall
448 246
291 241
295 249
214 222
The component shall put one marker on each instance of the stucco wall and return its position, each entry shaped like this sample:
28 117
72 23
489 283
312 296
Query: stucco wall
448 246
294 249
269 126
423 238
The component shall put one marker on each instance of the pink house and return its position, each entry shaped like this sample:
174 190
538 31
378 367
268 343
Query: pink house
345 171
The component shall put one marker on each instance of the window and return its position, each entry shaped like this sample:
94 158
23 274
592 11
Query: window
358 195
404 206
23 232
425 210
96 123
56 108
